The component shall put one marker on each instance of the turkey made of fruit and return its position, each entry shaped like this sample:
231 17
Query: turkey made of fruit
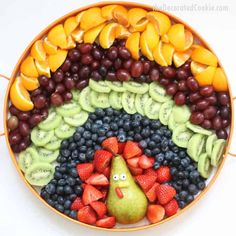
119 114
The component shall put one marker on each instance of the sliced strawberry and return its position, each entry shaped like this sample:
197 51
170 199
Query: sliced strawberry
91 194
98 179
77 204
145 181
107 222
131 150
135 171
171 207
151 193
155 213
133 162
104 192
165 193
111 144
150 171
85 170
100 208
121 147
163 174
107 172
145 162
87 215
102 160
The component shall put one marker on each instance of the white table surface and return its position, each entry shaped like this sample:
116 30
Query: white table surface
22 214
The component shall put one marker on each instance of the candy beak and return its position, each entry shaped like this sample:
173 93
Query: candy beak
119 192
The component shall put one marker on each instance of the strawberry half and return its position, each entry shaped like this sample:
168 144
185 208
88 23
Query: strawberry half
145 162
111 144
133 162
165 193
131 150
91 194
145 181
102 159
107 172
171 207
151 193
163 174
87 215
155 213
135 171
121 147
85 170
77 204
107 222
98 179
150 171
99 207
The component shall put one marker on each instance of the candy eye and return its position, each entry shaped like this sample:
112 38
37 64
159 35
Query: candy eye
123 176
116 177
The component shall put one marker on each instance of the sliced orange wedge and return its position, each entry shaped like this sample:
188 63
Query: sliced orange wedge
204 56
79 16
180 58
70 25
158 55
197 68
20 97
136 15
77 35
188 40
107 11
56 60
122 32
168 52
37 51
91 35
120 14
176 35
70 43
205 77
153 37
144 46
160 20
108 35
49 47
28 67
29 83
140 26
220 83
165 38
132 43
57 36
91 18
43 68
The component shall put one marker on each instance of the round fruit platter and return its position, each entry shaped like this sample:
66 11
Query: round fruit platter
118 117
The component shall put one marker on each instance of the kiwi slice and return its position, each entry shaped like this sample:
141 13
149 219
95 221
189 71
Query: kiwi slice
116 86
40 174
41 137
64 131
181 113
27 158
140 101
115 100
99 86
51 122
75 93
84 100
46 155
68 109
172 124
134 87
195 146
210 143
165 111
217 151
100 100
181 136
53 144
151 109
128 102
204 165
158 93
77 120
198 129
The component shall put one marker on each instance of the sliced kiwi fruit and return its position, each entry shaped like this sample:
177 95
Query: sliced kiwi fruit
172 124
84 100
196 146
99 100
198 129
77 120
181 113
151 109
28 158
158 93
134 87
140 102
217 151
210 143
75 93
68 109
39 174
64 131
204 165
181 136
115 100
41 137
53 144
128 102
46 155
165 112
99 86
116 86
51 122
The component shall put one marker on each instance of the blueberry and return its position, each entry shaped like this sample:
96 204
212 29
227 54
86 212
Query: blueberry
90 154
126 126
151 144
71 181
114 126
137 117
126 116
145 133
101 132
99 112
73 172
62 169
78 190
59 207
101 139
156 124
122 137
54 197
60 200
57 175
193 189
65 152
73 214
176 161
99 122
81 142
60 190
107 119
88 126
50 202
183 195
109 111
87 135
64 144
80 130
168 155
68 189
45 195
201 185
145 122
109 134
135 124
168 133
97 147
173 171
83 149
92 116
143 144
194 174
131 133
175 149
61 159
72 196
184 162
182 204
94 137
156 138
156 165
72 146
189 198
82 157
147 152
137 137
61 182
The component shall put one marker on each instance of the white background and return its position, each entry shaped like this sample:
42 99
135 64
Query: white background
22 214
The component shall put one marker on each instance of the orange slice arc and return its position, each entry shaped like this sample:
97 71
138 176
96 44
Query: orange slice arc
91 35
29 83
137 19
107 35
107 11
43 68
49 47
197 68
158 55
37 51
28 67
176 36
57 36
168 52
153 37
120 14
132 43
70 25
77 35
144 46
220 83
205 77
122 32
56 60
180 58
